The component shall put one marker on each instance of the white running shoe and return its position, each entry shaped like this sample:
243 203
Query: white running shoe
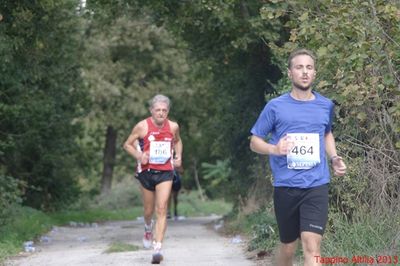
157 255
147 239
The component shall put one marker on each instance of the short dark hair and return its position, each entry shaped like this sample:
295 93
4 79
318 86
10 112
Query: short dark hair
301 51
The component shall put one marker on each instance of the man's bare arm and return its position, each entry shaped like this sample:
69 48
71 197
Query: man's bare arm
260 146
178 146
130 144
339 167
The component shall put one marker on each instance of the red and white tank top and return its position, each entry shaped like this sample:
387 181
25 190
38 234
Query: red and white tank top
158 143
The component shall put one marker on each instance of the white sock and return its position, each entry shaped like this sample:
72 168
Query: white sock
148 227
157 245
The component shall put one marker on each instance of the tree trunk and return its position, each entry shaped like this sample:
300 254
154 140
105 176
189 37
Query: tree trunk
108 159
196 178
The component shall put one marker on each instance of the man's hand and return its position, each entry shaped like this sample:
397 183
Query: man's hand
339 167
177 162
284 146
144 158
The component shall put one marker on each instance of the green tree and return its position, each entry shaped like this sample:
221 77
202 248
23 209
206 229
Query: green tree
41 94
228 39
128 61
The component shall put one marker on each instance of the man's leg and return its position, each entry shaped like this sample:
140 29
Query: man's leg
163 191
311 243
286 206
314 216
286 253
148 198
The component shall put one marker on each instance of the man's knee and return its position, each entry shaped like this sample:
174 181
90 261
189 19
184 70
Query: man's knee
148 210
286 254
288 249
162 208
311 243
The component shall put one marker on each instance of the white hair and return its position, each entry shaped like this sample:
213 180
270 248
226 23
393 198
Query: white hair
159 98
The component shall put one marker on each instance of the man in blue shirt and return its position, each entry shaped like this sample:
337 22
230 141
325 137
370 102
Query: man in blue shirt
298 125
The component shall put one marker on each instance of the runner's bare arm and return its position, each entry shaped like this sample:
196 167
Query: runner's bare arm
339 167
330 145
260 146
130 144
178 146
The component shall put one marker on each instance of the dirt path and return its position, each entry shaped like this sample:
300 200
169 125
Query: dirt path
188 242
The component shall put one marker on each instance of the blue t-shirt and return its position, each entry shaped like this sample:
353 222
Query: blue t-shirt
285 114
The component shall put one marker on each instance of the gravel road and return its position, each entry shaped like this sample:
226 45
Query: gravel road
190 241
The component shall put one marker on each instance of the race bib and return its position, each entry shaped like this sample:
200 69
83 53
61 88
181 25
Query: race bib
304 154
160 152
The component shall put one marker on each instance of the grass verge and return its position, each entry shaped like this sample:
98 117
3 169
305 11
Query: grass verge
366 236
260 228
190 204
24 224
121 247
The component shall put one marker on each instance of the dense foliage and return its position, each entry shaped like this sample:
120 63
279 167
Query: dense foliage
228 38
357 44
41 94
128 59
358 48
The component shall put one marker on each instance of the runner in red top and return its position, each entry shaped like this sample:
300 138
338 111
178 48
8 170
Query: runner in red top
152 143
158 143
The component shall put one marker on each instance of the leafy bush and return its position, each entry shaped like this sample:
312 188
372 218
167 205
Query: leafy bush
23 223
264 229
125 194
260 226
216 174
348 193
191 204
9 195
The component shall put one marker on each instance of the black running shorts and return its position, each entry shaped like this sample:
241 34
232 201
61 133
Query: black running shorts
298 210
151 178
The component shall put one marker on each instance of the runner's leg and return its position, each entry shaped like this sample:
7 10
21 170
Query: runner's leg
286 253
148 198
314 216
311 243
163 191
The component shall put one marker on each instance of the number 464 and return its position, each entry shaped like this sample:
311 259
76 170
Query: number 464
303 150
